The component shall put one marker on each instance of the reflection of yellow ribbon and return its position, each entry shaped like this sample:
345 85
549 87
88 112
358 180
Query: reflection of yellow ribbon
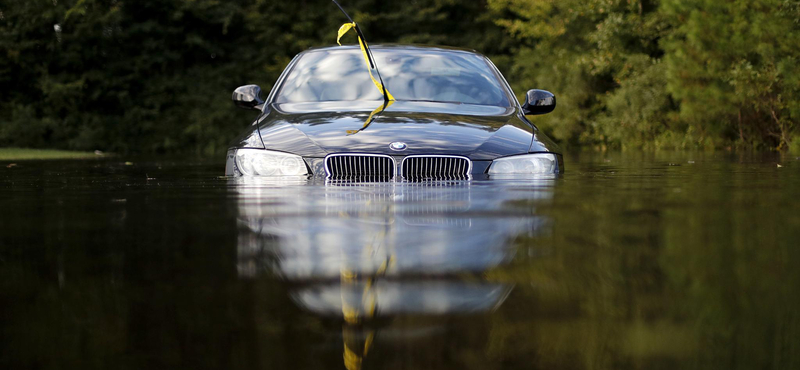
342 31
371 117
352 360
352 315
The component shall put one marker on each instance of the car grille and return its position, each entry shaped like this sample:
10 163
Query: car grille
440 167
359 166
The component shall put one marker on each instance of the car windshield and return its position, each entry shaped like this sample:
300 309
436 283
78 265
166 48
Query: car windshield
409 74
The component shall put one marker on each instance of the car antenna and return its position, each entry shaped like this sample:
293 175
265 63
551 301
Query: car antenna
367 53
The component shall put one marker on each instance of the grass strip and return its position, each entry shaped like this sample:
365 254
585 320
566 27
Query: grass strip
18 154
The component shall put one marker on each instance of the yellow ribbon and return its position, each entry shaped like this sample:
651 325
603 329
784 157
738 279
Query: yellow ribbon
342 31
371 117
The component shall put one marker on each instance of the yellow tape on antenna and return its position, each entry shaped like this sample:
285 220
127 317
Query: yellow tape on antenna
371 117
342 31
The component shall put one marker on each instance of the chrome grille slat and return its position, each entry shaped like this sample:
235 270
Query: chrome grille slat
357 165
435 167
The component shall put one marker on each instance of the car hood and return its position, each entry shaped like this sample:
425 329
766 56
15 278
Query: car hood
319 129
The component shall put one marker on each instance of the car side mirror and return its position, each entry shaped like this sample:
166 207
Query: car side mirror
248 97
538 102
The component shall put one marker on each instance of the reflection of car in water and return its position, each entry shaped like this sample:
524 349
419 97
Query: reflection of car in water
367 252
312 232
451 115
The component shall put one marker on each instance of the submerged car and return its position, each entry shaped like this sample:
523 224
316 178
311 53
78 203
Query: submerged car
452 116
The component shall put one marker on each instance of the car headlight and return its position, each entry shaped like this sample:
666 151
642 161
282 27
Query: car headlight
260 162
526 164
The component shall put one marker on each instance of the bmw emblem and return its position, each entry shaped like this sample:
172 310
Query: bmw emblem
398 146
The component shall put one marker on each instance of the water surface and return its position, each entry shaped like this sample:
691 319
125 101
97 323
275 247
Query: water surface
627 261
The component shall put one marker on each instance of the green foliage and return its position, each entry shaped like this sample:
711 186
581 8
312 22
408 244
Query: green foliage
733 65
600 57
638 110
662 73
155 76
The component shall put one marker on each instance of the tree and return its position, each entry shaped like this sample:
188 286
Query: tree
733 66
595 55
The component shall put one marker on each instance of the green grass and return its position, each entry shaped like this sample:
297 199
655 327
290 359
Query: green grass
16 154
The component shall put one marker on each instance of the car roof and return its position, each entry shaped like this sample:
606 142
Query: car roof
397 47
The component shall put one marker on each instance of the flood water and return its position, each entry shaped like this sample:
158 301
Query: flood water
627 261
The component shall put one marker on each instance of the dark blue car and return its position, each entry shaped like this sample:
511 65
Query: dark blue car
451 115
